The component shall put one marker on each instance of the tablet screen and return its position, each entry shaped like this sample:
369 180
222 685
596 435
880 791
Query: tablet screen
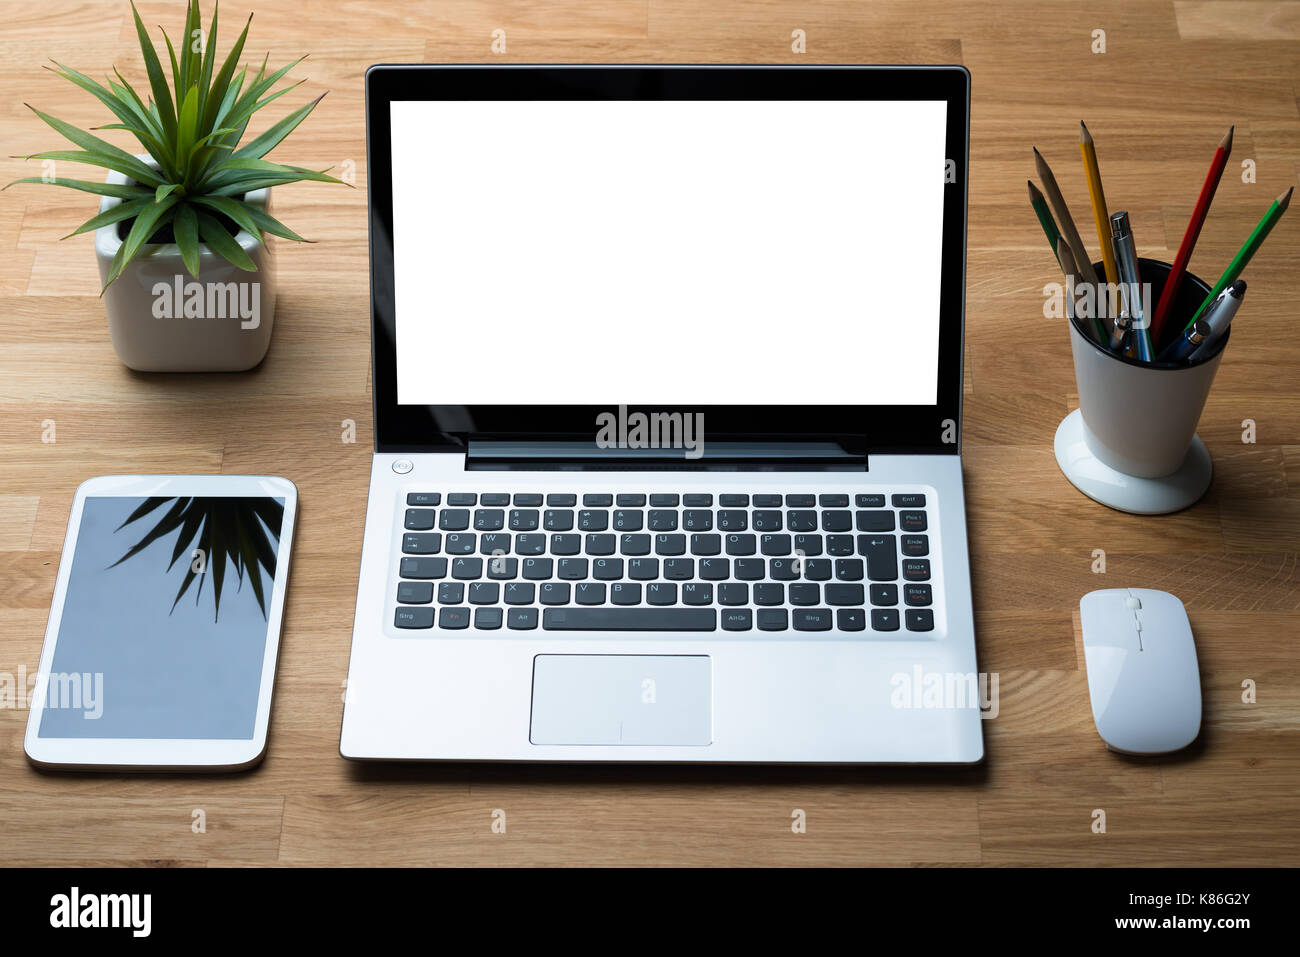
164 625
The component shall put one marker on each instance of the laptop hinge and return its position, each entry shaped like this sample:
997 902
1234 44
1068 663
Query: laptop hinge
738 456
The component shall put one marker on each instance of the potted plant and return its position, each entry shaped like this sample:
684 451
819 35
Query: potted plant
187 273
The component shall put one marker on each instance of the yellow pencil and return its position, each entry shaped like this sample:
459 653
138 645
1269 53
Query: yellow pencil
1099 211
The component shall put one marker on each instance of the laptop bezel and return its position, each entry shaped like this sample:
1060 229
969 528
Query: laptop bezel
858 430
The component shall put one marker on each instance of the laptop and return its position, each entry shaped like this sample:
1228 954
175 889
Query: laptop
667 378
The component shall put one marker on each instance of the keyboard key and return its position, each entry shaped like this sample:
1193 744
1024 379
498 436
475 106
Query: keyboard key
494 543
850 619
462 498
885 594
908 500
453 519
733 501
460 543
561 500
554 593
501 568
740 544
764 521
839 545
428 543
737 619
566 544
698 500
597 500
801 521
844 594
466 569
423 568
733 520
708 544
419 519
661 593
912 521
767 501
809 546
663 520
600 544
664 500
881 553
521 619
413 618
494 498
643 569
573 569
524 519
634 544
884 619
484 593
679 569
628 521
869 501
589 593
915 595
625 593
876 521
697 520
519 593
528 499
538 569
749 569
783 569
423 498
804 593
800 500
487 619
833 501
775 544
773 619
607 569
817 569
916 569
696 593
530 543
733 593
451 593
672 544
630 500
915 545
593 521
557 520
489 519
415 593
630 619
920 619
848 569
715 569
811 619
837 521
769 593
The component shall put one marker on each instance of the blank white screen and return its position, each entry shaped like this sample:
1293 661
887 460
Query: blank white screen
668 252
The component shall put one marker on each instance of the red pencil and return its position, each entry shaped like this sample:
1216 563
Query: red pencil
1189 238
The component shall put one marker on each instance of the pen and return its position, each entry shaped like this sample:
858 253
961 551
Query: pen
1186 343
1221 311
1131 283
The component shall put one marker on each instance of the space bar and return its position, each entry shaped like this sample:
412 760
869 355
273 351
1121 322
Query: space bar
629 619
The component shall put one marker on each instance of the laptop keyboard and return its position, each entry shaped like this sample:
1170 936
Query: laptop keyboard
667 562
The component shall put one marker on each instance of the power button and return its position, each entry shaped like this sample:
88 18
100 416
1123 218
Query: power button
402 466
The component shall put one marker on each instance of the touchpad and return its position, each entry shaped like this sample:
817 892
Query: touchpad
622 699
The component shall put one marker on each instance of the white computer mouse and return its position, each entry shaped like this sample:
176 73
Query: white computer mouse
1143 677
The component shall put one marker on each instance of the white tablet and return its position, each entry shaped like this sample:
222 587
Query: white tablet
161 645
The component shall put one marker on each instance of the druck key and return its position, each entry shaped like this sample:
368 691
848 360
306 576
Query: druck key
629 619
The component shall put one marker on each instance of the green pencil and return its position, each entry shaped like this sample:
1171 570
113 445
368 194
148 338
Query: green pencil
1244 254
1045 218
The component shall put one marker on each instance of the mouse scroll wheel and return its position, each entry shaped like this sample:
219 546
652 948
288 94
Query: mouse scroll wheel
1133 602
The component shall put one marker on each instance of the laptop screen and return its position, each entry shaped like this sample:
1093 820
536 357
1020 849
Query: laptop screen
678 252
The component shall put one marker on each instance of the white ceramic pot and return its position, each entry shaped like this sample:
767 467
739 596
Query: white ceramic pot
162 319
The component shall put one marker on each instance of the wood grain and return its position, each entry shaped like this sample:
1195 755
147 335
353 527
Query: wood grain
1173 77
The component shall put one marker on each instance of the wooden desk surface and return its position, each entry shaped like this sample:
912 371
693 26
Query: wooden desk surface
1173 76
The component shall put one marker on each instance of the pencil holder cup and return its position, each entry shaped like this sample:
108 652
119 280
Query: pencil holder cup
1132 443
